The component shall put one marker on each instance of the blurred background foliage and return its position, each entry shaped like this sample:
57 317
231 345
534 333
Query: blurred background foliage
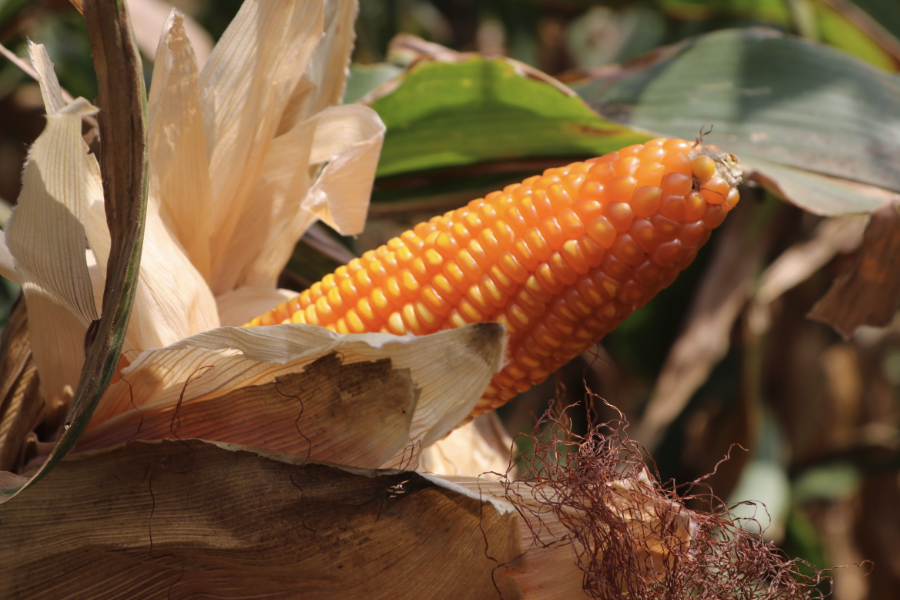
805 91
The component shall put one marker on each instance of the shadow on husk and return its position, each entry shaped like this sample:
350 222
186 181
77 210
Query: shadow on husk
634 538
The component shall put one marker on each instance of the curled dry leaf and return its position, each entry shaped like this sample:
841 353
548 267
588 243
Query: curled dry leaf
51 267
65 182
796 264
21 405
189 519
300 413
868 291
304 390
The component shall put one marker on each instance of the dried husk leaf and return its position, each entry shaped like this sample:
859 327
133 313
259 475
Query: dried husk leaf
46 236
868 291
796 264
183 519
51 92
179 169
149 16
7 262
172 300
168 308
354 414
347 138
262 386
481 447
244 89
323 83
21 404
282 182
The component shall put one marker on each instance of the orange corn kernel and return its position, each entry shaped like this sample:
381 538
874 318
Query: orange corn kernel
560 259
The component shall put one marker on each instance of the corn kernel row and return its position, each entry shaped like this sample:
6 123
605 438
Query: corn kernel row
560 259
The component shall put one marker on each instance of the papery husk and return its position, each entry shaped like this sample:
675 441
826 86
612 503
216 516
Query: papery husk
244 88
68 176
179 519
148 17
481 447
353 414
304 390
179 168
46 236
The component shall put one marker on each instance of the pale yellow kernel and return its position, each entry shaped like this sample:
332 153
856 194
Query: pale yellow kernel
433 259
395 324
354 323
426 317
410 319
456 320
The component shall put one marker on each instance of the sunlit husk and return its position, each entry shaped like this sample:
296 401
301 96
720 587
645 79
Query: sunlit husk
481 447
179 168
46 236
304 390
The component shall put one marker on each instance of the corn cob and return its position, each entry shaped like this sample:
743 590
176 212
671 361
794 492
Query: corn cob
560 259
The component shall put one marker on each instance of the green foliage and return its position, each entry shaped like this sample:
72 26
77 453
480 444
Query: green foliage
453 114
794 110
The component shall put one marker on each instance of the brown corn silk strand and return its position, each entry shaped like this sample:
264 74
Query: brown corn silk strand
633 538
560 259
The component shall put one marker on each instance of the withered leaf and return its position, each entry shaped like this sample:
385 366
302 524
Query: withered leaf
356 414
21 403
191 519
868 291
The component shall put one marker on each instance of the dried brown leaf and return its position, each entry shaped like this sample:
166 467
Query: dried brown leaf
351 414
21 403
192 519
868 291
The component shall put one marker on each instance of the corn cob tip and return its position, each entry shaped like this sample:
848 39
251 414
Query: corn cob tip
727 165
559 259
